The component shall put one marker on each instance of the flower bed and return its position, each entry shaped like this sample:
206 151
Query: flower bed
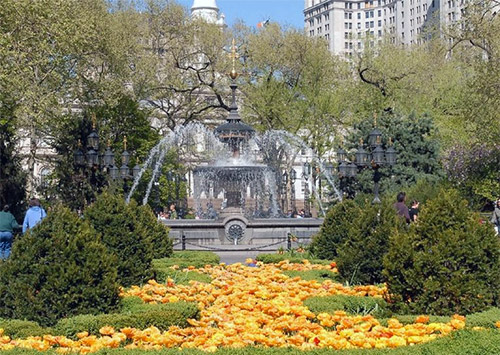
252 306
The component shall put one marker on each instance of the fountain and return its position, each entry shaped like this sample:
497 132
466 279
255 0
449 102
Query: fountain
240 194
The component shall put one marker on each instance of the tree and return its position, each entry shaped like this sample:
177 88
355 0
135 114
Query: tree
124 235
446 263
416 146
43 46
12 179
58 269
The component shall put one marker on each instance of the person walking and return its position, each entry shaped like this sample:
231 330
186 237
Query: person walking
495 217
401 207
7 225
34 215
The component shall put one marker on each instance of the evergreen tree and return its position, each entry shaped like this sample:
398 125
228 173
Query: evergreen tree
417 150
446 263
156 232
335 229
125 236
360 256
58 269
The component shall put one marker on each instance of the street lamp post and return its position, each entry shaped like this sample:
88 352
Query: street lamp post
306 171
91 162
364 159
293 178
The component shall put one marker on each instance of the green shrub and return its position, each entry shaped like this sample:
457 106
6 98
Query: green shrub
187 258
350 304
292 257
136 305
446 263
16 328
125 236
359 257
161 316
180 277
56 270
156 232
318 275
335 229
485 319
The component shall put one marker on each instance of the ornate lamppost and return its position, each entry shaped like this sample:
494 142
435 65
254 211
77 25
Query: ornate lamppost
306 171
373 159
91 162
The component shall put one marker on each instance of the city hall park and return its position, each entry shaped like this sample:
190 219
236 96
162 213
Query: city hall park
284 303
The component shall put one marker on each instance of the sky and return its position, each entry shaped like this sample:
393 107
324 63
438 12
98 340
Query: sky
285 12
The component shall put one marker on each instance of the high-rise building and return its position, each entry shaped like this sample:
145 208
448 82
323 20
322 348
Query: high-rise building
349 25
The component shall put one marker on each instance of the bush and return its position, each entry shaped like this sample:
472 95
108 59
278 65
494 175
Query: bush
16 328
125 236
446 263
133 315
335 229
156 232
350 304
56 270
292 257
485 319
184 259
359 259
318 275
180 277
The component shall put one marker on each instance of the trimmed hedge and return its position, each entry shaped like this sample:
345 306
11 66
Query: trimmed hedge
58 269
318 275
133 315
485 319
180 277
16 328
294 257
350 304
187 258
125 236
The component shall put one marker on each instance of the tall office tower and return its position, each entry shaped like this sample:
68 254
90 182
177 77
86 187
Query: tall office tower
349 25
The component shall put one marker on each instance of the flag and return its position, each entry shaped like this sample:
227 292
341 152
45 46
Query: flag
263 23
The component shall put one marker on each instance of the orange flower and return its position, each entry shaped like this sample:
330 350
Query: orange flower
107 330
422 319
497 324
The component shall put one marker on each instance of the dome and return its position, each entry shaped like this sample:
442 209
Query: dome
204 4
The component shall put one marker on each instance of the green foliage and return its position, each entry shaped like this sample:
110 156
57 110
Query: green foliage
318 275
124 235
350 304
295 258
359 259
186 258
156 232
56 270
486 319
335 229
16 328
446 263
417 149
133 315
180 277
12 178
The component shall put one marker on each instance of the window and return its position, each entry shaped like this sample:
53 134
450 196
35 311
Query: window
372 24
346 25
367 24
379 23
346 45
380 33
359 25
359 15
379 13
402 24
346 35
